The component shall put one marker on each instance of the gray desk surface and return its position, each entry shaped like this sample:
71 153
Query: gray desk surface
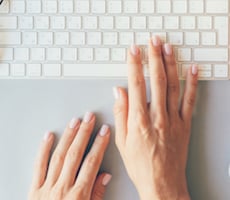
29 108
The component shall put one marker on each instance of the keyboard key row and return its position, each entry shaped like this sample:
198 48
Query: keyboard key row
111 22
116 7
111 38
82 70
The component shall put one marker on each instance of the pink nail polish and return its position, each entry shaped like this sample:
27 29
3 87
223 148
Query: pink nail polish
88 116
134 50
104 130
168 49
73 123
194 69
46 136
107 178
156 41
116 93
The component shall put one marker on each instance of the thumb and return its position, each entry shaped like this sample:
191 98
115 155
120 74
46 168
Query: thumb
100 185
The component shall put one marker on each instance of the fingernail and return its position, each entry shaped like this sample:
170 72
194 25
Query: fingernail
194 69
156 41
107 178
116 93
73 123
104 130
134 49
168 49
46 136
88 116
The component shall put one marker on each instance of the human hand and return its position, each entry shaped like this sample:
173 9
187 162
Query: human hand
153 138
69 176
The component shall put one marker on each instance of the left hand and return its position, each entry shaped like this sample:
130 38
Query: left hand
69 176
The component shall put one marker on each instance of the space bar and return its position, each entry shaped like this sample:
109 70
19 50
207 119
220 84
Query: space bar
94 70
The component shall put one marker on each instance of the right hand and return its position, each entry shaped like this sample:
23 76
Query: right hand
153 138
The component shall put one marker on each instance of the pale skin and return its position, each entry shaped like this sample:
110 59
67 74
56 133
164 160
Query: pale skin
154 136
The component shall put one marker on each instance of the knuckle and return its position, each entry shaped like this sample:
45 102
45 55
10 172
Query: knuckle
161 78
172 87
161 125
117 109
191 101
58 158
138 80
72 155
99 193
80 191
91 160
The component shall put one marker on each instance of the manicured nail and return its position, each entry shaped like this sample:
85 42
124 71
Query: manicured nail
156 41
116 93
107 178
168 49
134 50
104 130
194 70
88 116
46 136
73 123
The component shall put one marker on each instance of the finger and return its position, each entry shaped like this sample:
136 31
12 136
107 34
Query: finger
57 159
189 97
76 151
136 81
100 186
120 114
41 163
91 164
158 80
173 90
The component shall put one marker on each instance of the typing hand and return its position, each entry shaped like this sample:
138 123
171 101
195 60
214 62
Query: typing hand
67 176
153 138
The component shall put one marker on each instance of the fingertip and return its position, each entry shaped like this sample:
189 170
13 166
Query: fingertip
194 70
48 136
106 179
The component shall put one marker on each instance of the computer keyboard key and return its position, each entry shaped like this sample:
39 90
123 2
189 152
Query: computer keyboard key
37 54
33 70
217 6
184 54
52 70
29 38
196 6
192 38
211 54
142 38
118 54
17 70
4 70
163 6
33 7
85 54
204 22
6 54
221 71
175 38
171 22
69 54
41 22
77 38
10 38
179 6
21 54
155 22
139 22
208 38
122 22
106 22
114 7
61 38
90 22
73 22
82 7
25 22
94 38
57 22
126 38
50 7
45 38
8 22
130 7
53 54
110 38
98 7
66 6
18 6
5 7
188 22
102 54
147 7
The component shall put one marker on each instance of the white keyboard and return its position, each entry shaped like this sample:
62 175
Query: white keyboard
89 38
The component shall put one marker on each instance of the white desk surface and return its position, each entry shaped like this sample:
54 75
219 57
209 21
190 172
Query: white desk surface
29 108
